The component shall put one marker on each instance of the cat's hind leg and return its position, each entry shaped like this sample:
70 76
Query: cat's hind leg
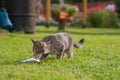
70 52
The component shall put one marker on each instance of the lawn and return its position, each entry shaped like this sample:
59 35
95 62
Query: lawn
99 59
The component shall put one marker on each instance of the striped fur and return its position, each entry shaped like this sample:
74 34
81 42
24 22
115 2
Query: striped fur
58 44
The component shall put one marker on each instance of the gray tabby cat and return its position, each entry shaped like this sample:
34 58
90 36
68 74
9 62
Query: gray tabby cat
58 44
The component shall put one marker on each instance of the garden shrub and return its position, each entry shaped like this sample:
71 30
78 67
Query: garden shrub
113 19
117 2
103 19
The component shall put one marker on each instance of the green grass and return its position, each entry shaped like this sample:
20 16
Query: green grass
99 59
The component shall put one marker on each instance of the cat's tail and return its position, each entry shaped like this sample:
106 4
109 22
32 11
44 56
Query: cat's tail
79 45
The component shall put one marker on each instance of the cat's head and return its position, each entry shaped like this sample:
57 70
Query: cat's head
39 48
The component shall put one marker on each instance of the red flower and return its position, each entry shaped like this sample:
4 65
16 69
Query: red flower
94 8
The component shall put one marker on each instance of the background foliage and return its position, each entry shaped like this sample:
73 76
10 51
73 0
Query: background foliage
76 1
117 2
103 18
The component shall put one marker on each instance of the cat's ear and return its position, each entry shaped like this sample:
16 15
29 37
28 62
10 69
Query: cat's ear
33 41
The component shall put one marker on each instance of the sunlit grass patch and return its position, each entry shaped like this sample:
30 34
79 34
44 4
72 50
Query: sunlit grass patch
99 59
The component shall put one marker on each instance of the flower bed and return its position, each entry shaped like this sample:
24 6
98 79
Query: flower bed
63 14
66 12
103 4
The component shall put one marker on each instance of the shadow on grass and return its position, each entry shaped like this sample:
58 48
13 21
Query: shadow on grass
80 33
107 33
18 63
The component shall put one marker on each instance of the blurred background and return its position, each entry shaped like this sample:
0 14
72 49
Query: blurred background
26 14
